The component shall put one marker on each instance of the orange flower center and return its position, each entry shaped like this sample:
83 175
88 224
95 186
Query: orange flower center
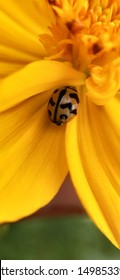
87 34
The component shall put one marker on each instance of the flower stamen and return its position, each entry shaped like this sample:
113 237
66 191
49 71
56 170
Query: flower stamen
75 26
55 3
86 34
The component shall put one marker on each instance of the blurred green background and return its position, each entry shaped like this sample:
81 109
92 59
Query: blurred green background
55 238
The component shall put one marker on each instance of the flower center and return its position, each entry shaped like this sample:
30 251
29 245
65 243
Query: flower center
87 34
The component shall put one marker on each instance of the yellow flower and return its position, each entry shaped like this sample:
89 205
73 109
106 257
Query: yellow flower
47 45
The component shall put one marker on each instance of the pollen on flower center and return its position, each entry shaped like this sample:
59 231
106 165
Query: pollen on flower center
86 34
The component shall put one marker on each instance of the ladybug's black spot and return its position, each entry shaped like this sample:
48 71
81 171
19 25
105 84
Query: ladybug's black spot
66 105
56 90
61 94
74 112
73 88
63 91
63 117
49 113
59 123
75 96
51 102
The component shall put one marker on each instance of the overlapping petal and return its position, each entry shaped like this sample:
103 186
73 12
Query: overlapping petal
21 23
33 163
94 163
104 82
35 78
6 68
32 159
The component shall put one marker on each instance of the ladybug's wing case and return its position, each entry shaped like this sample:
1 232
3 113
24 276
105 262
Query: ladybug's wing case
52 106
63 105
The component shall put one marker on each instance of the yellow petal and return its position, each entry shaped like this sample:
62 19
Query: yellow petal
32 158
21 23
104 82
22 39
94 163
34 16
9 54
7 68
36 77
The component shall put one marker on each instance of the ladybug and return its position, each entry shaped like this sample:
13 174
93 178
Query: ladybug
63 105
